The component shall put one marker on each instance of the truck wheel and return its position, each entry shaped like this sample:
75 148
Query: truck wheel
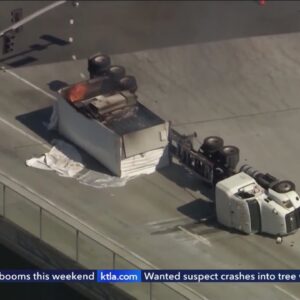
212 144
116 73
283 186
98 64
229 156
128 83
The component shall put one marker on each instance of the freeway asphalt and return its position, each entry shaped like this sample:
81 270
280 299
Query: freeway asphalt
244 89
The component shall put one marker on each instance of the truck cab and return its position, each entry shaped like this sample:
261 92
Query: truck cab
237 203
242 204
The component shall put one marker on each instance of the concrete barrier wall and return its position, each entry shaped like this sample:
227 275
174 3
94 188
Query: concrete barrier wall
78 241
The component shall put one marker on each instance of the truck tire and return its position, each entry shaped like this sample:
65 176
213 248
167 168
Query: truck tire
249 170
98 64
283 186
128 83
212 144
229 156
116 73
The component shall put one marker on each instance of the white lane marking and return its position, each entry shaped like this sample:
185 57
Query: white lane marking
195 236
30 84
37 89
24 133
286 292
165 221
203 297
32 16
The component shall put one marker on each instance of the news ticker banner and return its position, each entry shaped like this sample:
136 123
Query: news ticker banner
137 276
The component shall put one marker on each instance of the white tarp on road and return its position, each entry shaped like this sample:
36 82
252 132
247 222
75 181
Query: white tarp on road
66 161
62 158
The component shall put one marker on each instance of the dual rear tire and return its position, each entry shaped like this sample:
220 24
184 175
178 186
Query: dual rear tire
227 156
100 65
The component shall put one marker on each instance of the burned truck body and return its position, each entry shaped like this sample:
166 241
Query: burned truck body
113 127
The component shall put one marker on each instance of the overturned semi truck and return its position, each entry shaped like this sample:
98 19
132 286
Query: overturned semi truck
103 116
246 200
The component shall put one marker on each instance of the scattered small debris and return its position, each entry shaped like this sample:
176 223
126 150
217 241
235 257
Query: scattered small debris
279 240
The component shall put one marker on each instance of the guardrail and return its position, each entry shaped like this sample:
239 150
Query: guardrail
78 241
